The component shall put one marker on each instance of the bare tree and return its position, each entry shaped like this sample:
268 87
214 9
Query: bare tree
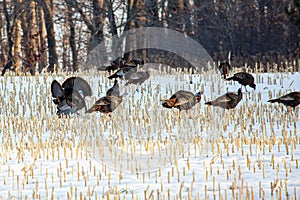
47 6
30 37
175 15
42 47
9 38
247 29
293 12
17 29
72 38
152 13
2 52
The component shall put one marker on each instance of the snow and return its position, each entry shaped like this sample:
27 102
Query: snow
146 151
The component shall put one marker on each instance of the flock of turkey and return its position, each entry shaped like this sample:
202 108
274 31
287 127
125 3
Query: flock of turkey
69 97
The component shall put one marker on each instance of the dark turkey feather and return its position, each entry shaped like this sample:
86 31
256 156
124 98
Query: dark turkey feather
244 79
69 97
78 84
292 99
228 100
114 90
56 89
182 100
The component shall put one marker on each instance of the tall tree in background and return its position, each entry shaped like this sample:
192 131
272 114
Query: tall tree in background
72 38
94 17
30 37
10 16
152 13
131 13
47 6
2 47
140 22
152 20
247 29
175 15
293 39
98 22
42 39
17 41
293 11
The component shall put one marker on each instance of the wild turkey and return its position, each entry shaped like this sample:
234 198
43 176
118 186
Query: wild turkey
110 102
292 99
138 77
71 93
106 104
228 100
71 104
224 68
244 79
182 100
116 64
114 90
136 62
125 72
120 63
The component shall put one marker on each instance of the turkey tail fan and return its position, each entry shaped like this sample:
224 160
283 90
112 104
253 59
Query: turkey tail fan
78 84
56 89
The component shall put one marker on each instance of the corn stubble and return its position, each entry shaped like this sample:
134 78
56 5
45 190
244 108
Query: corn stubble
55 154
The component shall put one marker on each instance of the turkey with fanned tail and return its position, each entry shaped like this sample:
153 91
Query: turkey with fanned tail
69 97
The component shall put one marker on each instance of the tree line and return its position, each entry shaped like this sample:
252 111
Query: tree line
44 35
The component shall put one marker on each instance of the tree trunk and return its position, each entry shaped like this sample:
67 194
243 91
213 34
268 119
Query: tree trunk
47 6
141 22
175 15
17 45
98 21
136 18
94 25
152 13
66 65
30 37
72 41
129 45
2 53
42 40
113 25
187 10
9 61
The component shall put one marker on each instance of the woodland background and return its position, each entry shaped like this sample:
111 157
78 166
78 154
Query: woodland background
44 35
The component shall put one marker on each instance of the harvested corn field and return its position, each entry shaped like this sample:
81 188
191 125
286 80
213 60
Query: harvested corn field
143 150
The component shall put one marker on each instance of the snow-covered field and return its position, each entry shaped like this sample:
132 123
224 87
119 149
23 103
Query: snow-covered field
148 152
